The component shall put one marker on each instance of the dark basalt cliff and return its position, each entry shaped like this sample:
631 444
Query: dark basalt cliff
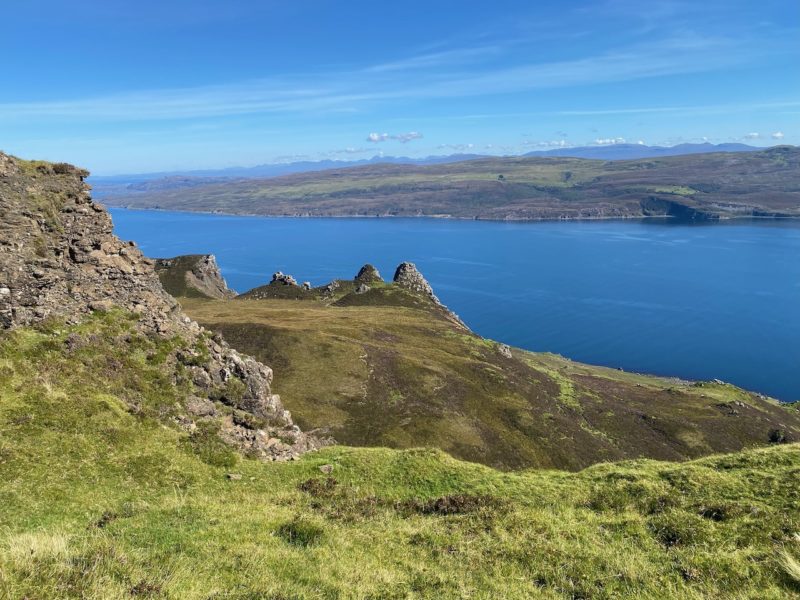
59 259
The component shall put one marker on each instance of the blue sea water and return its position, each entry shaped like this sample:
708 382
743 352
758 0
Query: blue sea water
693 301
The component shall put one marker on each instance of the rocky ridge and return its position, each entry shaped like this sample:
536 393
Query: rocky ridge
59 258
199 272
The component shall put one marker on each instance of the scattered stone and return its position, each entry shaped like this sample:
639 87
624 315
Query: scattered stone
233 476
327 469
363 289
505 350
307 285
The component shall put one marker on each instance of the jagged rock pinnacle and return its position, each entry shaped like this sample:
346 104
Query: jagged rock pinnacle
410 278
368 274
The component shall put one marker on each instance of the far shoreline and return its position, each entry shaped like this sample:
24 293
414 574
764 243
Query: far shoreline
650 218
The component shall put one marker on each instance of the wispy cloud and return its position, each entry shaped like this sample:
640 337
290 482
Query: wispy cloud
456 147
752 136
562 143
397 82
403 138
609 141
778 135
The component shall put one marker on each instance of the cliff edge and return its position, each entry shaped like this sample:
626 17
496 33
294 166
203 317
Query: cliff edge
59 259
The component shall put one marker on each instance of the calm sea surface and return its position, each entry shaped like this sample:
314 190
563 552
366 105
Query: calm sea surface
694 301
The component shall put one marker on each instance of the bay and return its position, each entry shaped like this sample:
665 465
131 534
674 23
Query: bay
691 301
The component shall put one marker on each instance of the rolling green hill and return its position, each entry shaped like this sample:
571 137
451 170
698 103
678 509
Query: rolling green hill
696 187
100 501
389 366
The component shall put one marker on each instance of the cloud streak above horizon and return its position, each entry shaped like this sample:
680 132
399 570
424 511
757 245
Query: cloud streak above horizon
353 90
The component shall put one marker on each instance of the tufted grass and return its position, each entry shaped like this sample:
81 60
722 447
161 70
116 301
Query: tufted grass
100 499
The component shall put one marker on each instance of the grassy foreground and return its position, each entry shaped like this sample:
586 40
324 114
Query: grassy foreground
102 495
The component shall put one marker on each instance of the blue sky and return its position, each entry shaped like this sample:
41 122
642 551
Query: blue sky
119 86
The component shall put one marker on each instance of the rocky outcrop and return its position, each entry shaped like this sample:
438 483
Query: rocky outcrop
281 278
193 275
368 274
409 277
59 258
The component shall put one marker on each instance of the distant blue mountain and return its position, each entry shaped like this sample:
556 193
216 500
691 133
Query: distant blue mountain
634 151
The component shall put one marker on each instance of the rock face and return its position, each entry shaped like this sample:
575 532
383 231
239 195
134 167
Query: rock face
60 258
195 274
368 274
409 277
406 275
280 278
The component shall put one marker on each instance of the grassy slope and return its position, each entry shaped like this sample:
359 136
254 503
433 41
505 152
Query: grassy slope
383 368
758 183
100 500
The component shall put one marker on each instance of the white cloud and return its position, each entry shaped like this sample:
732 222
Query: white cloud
778 135
752 136
377 137
403 138
609 141
407 137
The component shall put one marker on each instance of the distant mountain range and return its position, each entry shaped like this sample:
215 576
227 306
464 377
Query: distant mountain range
707 186
634 151
131 184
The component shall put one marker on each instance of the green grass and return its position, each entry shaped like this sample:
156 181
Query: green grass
103 497
386 368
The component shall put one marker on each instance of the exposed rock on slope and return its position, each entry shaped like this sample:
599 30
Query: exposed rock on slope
59 258
409 277
193 275
399 371
368 274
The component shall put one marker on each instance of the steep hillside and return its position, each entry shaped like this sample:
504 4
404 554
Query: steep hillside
60 263
103 502
385 364
694 187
